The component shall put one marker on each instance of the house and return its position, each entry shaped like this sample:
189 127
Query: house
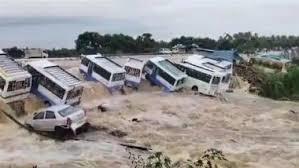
179 48
228 55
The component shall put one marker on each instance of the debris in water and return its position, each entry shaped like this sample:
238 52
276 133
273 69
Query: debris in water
118 133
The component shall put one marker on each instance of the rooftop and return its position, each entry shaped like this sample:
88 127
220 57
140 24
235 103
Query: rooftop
218 65
134 62
228 55
56 72
2 52
106 63
9 68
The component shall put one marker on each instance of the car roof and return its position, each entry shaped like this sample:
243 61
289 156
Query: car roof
57 107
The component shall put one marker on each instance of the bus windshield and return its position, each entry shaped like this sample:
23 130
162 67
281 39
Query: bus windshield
132 71
118 77
180 82
216 80
74 93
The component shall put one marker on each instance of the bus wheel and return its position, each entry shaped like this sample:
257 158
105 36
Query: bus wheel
195 88
147 77
47 103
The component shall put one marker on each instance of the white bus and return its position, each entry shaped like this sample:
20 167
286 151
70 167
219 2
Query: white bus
162 72
202 80
53 84
133 68
221 66
15 82
104 70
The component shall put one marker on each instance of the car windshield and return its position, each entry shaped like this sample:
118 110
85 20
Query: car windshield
68 111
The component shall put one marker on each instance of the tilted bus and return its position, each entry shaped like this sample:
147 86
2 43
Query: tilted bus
104 70
54 84
15 82
162 72
133 68
220 65
202 80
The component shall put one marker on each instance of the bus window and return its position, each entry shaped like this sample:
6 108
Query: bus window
85 61
132 71
150 65
14 85
216 80
180 67
74 93
11 86
226 78
52 87
118 77
2 83
198 75
101 71
166 77
181 81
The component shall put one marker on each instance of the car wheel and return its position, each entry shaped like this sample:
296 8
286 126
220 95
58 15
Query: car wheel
85 127
29 127
59 131
195 88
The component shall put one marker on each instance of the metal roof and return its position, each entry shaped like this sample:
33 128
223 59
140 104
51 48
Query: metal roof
62 75
218 65
228 55
201 68
10 68
135 63
48 68
106 63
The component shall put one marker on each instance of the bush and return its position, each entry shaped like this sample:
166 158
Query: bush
209 159
280 86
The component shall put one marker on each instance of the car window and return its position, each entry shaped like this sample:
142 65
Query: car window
68 111
39 116
50 115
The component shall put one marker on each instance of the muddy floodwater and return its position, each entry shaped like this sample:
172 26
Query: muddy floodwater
250 130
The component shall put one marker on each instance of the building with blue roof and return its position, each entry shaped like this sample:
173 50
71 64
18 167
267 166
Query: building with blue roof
228 55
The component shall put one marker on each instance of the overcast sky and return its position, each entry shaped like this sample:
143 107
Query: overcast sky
56 23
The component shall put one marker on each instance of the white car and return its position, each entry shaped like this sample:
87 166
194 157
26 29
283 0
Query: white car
58 119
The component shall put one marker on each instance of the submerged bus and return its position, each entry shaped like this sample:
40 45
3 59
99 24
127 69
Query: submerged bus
54 84
15 82
133 68
104 70
162 72
202 80
218 65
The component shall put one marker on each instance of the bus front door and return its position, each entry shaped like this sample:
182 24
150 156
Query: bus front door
90 67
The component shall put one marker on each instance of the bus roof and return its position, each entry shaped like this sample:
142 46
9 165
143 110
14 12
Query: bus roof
2 52
218 65
168 66
135 63
106 63
201 68
55 72
11 69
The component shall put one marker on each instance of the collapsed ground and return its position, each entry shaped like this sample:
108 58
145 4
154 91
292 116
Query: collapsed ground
251 131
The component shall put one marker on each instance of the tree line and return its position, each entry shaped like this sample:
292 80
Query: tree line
93 42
